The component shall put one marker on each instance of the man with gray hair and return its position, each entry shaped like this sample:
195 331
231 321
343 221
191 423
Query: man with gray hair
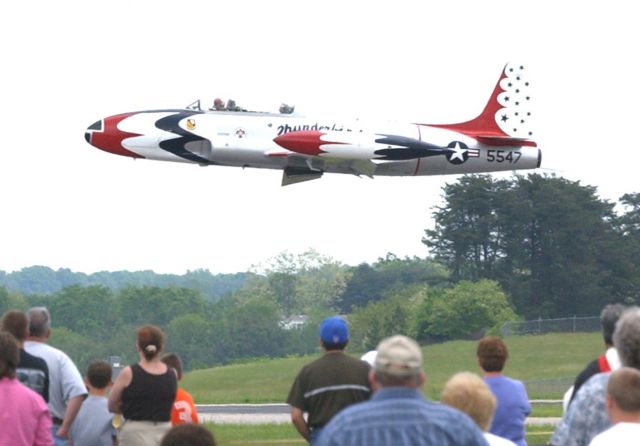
66 386
587 414
397 413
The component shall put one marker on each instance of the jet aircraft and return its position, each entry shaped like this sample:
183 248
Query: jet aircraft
498 139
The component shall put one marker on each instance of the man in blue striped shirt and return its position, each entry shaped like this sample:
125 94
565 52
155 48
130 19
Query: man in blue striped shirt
398 414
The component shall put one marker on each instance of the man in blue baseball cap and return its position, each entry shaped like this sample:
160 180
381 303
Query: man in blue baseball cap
328 384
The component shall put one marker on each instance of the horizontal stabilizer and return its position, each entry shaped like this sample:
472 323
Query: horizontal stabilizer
293 175
501 141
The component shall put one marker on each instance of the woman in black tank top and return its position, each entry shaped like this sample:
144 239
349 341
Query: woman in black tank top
144 393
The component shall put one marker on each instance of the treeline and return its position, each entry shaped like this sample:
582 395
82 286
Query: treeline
524 247
554 246
44 280
408 295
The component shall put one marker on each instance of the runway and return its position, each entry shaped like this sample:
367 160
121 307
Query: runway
244 413
280 413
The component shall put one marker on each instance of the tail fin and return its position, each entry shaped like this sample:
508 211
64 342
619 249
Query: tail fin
508 112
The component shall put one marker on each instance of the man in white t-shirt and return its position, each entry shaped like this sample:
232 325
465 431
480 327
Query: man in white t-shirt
623 407
66 386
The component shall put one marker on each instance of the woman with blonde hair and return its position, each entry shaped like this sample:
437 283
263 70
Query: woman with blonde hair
144 392
467 392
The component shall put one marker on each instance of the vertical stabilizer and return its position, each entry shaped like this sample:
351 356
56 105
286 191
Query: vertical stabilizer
507 113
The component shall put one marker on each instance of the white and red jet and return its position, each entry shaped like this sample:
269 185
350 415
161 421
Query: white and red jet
499 139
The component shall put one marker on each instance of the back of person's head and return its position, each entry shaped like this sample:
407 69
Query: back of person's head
626 338
99 374
492 354
608 318
624 389
188 435
9 355
334 333
467 392
16 323
39 321
150 341
173 360
398 362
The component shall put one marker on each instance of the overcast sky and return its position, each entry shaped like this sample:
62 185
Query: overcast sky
67 64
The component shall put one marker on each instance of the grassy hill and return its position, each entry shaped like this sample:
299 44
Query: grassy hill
530 358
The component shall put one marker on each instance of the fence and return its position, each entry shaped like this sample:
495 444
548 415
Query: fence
542 326
548 388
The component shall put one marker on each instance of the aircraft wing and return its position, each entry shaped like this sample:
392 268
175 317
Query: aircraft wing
301 168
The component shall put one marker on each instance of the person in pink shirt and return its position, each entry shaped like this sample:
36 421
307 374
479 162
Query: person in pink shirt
24 416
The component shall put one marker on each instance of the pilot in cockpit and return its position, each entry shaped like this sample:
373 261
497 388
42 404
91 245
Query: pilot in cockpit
286 109
218 104
231 105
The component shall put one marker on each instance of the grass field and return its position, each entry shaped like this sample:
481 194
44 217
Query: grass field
530 358
268 380
285 434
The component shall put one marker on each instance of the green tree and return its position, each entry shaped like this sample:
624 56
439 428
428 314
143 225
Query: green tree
4 300
253 329
464 311
380 319
299 284
550 242
466 236
155 305
628 238
188 336
87 311
81 349
389 275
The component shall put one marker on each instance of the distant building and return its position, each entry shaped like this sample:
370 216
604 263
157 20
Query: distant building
293 322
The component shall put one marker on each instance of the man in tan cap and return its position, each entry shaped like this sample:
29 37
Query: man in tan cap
397 413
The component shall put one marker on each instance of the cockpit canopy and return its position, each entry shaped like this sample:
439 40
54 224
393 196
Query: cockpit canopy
231 106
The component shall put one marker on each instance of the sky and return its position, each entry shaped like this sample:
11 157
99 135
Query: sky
66 64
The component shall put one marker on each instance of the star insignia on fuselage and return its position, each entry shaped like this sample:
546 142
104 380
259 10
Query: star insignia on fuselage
458 152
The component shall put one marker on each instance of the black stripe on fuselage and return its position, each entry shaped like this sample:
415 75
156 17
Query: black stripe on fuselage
410 148
178 146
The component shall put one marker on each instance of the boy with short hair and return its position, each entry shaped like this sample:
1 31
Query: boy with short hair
93 424
623 407
183 410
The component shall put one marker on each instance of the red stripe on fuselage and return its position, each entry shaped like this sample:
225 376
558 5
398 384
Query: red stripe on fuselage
110 138
306 142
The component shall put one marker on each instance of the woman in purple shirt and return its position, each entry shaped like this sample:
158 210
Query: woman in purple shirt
513 403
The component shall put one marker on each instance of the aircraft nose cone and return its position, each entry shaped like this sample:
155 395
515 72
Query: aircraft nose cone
95 126
105 135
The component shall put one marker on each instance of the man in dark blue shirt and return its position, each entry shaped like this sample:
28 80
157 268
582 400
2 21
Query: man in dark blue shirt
398 414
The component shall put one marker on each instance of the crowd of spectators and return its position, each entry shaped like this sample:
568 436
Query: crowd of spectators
335 400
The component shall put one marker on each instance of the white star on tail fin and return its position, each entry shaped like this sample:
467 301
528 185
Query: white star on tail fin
515 115
507 114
